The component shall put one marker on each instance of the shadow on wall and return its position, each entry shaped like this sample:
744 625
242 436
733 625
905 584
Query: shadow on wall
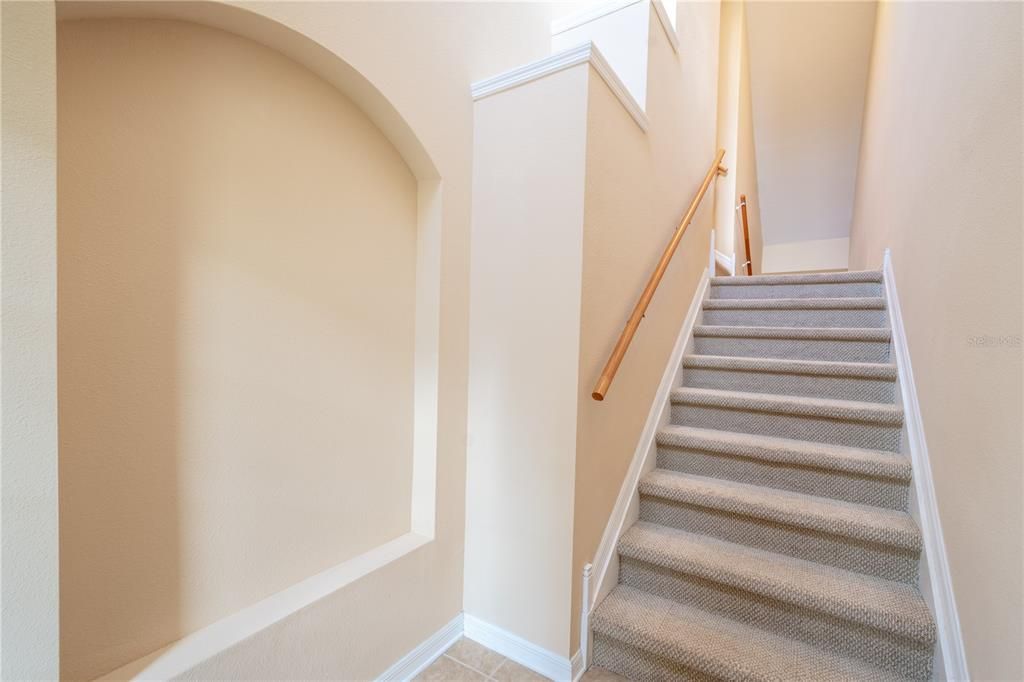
235 409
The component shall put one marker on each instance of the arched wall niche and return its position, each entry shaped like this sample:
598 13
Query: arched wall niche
294 45
186 653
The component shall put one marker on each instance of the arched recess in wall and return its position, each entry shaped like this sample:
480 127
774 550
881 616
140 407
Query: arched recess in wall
425 209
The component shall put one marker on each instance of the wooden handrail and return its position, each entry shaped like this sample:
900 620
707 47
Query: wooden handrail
619 352
746 233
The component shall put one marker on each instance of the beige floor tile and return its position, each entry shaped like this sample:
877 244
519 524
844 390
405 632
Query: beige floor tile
476 656
446 669
510 671
601 675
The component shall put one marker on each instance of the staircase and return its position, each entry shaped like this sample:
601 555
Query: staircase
774 540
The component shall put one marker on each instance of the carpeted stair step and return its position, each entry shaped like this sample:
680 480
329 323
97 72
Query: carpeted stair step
836 344
821 285
870 477
645 637
796 312
874 426
869 382
870 540
850 614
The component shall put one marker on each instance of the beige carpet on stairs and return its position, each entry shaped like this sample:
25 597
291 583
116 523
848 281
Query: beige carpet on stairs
774 539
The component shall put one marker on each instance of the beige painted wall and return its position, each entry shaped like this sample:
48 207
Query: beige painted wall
637 189
439 49
730 54
809 70
940 185
29 629
735 132
529 163
746 169
236 411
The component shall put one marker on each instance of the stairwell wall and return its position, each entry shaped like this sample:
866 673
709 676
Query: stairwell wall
637 189
939 184
432 53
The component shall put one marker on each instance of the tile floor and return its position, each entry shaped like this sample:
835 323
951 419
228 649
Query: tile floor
467 661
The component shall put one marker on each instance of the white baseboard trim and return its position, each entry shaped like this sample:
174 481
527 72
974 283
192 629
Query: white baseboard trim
414 662
645 448
943 603
178 658
514 647
580 54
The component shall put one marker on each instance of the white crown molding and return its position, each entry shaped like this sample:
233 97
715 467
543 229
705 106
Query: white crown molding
528 654
604 9
947 621
414 662
666 24
577 19
643 456
178 658
580 54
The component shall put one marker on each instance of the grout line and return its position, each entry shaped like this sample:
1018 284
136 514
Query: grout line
479 672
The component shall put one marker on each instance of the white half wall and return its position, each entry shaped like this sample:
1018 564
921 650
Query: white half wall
529 163
813 254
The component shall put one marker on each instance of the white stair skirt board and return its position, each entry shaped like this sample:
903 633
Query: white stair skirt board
581 54
410 665
178 658
624 513
936 581
515 648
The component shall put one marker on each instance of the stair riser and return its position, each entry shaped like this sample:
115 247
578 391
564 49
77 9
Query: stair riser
834 431
837 485
796 318
636 664
778 383
850 290
793 349
899 655
891 563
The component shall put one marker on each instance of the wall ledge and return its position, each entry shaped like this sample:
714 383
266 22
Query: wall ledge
178 658
574 56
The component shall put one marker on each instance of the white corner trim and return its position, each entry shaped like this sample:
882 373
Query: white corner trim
646 446
578 666
583 653
728 263
178 658
617 87
580 54
946 619
666 23
577 19
537 659
426 653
